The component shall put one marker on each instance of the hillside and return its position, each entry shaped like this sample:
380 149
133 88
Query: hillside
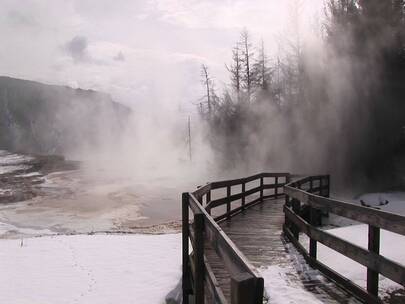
49 119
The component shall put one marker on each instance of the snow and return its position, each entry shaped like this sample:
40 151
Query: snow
392 246
31 174
282 290
11 168
7 158
10 162
8 230
396 201
89 269
283 286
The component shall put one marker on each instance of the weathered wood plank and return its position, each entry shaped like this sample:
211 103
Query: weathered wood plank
216 295
243 289
257 233
231 198
238 209
234 182
199 266
232 257
201 191
382 219
338 278
374 261
373 246
186 287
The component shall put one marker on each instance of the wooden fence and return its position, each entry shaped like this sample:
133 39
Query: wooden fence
198 278
311 194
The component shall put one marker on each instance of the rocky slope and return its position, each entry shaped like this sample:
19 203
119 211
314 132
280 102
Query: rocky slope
50 119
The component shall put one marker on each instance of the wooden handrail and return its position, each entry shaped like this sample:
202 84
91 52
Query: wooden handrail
246 285
375 219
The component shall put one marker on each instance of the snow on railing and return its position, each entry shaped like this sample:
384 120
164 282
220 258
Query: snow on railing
306 200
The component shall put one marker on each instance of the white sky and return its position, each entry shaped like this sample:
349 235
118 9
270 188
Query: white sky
138 51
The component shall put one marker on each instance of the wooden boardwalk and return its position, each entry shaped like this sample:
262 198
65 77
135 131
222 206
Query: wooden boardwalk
257 232
237 241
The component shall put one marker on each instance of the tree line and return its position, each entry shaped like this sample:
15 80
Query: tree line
337 108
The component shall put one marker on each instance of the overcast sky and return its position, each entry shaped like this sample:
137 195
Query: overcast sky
136 50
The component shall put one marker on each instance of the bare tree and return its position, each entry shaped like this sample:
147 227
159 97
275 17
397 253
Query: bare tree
210 98
261 71
207 83
235 69
247 55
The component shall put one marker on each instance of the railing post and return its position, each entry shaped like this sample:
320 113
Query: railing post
287 179
276 188
287 202
312 242
208 198
296 207
185 248
228 203
373 246
328 189
243 289
243 195
261 189
199 259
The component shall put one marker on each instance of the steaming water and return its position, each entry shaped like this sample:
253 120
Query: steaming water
77 202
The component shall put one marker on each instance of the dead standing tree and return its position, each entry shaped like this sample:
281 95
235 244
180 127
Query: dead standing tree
207 84
261 70
236 71
210 98
247 71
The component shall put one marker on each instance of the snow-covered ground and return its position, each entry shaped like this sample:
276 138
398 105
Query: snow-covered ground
281 289
10 162
86 269
388 201
392 246
127 268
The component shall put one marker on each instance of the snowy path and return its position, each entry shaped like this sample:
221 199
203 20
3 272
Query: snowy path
89 269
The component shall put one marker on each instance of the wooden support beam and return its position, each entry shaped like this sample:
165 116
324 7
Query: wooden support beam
243 289
228 203
185 253
296 207
373 246
328 190
208 199
199 259
388 268
261 189
243 195
276 188
312 242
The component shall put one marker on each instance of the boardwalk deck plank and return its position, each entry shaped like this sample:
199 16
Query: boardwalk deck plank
257 232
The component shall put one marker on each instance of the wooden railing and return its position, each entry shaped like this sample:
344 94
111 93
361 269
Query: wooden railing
199 280
306 198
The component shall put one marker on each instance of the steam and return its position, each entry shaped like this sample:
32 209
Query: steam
327 120
336 111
